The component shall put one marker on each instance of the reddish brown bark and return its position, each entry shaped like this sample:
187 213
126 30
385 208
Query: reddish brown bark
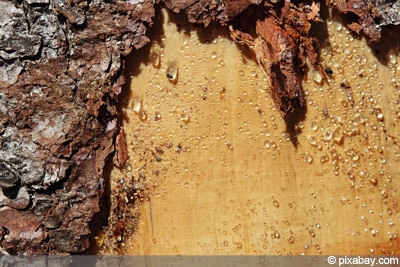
60 77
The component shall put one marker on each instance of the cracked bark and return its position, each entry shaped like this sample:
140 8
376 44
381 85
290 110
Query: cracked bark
60 78
61 71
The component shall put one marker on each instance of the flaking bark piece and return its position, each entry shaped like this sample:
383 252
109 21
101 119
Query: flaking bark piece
205 11
363 10
200 11
121 152
278 54
282 45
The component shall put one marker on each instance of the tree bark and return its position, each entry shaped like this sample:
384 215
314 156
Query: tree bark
61 73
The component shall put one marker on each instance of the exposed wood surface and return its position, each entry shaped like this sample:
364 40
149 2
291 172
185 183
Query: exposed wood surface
226 175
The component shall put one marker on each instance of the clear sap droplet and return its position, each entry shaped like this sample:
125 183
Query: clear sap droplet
324 158
379 116
273 145
373 181
311 232
185 117
314 126
143 115
374 65
267 144
229 146
155 55
337 137
328 135
157 116
337 25
392 58
172 71
373 232
136 105
316 76
309 158
312 140
276 234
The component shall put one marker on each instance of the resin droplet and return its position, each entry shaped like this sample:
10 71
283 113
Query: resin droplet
273 145
309 158
392 58
316 76
337 137
185 117
328 135
311 232
324 158
276 234
172 71
136 105
373 181
267 144
314 126
337 25
312 141
229 145
155 55
143 115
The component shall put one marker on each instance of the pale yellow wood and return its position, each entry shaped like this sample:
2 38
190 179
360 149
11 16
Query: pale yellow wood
237 184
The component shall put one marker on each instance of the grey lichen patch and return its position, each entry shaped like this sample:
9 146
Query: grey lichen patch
388 12
9 73
23 167
16 40
23 38
16 45
8 176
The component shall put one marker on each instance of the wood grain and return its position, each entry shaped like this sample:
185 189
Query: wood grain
234 179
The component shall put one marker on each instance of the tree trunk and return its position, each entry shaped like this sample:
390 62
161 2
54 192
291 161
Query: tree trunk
61 73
